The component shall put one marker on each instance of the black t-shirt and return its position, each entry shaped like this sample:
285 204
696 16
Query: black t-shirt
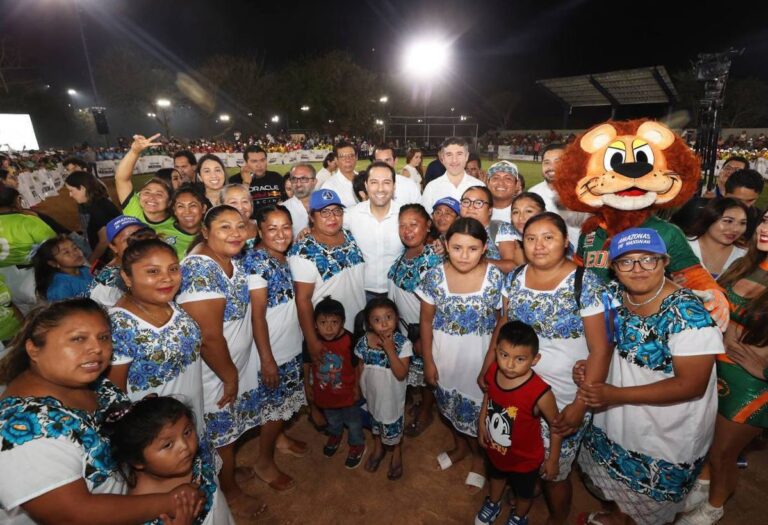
265 190
434 170
96 215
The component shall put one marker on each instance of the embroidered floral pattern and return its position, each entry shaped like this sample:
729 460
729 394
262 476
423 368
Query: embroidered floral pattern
406 273
109 276
201 274
277 274
281 403
462 412
159 354
204 474
461 314
329 260
376 356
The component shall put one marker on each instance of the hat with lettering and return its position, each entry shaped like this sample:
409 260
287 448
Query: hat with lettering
322 199
503 166
450 202
119 223
637 240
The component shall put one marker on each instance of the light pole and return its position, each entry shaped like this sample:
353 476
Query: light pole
164 106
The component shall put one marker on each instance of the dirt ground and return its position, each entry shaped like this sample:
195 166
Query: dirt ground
328 494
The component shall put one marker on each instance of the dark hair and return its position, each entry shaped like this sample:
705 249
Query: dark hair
454 141
253 148
187 155
554 218
378 302
215 158
328 158
469 226
383 165
261 213
551 146
35 328
517 333
160 181
329 306
8 196
132 428
384 147
358 184
283 184
94 188
3 174
210 216
44 272
711 213
745 178
475 157
484 189
418 208
80 163
189 188
411 153
343 144
165 175
737 158
138 248
535 197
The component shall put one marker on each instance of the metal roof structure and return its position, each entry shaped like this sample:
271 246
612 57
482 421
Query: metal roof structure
647 85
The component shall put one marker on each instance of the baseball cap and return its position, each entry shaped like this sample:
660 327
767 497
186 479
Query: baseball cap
503 166
119 223
322 199
637 240
450 202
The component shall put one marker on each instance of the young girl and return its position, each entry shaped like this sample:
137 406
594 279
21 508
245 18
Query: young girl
525 206
384 355
460 303
60 270
154 444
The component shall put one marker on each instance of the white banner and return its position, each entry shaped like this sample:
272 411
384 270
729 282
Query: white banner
505 153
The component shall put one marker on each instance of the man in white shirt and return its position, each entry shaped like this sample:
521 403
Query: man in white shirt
304 179
550 160
341 181
455 181
406 191
504 183
330 165
375 226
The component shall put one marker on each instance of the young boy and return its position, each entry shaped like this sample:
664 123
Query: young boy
510 426
335 387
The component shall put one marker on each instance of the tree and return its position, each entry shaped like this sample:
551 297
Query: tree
501 106
746 103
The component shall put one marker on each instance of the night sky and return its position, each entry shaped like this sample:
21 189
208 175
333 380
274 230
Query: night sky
496 44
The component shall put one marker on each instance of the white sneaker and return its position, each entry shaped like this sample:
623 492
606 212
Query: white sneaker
699 494
704 514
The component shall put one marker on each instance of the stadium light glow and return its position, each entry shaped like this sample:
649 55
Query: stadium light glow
305 108
275 119
463 117
379 122
163 103
384 99
71 92
224 117
427 58
151 115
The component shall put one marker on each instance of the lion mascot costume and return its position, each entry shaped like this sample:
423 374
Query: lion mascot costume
622 172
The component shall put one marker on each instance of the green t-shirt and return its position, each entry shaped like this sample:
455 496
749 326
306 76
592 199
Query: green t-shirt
9 323
180 241
20 235
593 247
165 228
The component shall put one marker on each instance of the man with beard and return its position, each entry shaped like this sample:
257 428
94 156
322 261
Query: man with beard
304 179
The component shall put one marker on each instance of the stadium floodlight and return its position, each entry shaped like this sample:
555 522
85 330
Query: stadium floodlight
71 92
427 58
463 118
152 115
163 103
275 119
379 122
224 117
304 108
384 99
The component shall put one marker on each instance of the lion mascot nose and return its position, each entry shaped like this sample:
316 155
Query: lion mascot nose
633 170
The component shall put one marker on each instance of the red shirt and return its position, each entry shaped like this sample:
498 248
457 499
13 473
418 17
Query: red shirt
333 380
513 432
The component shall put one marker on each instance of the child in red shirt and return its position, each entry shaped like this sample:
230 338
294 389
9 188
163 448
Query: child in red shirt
510 427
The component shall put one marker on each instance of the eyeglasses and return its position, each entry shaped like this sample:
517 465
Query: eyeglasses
477 204
302 180
335 212
647 262
347 156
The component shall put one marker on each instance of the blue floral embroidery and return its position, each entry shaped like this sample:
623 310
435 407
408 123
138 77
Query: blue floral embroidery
406 273
553 314
464 314
391 433
376 356
281 403
23 420
277 274
329 260
656 478
204 474
461 411
202 274
159 355
645 340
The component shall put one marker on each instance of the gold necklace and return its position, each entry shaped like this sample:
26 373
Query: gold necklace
152 316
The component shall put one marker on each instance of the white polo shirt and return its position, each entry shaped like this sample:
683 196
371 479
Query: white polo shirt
343 186
442 187
406 191
299 214
549 197
379 241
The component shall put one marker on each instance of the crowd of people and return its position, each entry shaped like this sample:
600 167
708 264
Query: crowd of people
140 352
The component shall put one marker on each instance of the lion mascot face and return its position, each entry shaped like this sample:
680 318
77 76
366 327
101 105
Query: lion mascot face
622 171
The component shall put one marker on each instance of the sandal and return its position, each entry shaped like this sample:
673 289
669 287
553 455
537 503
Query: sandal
395 472
444 461
590 518
372 465
283 483
296 448
475 482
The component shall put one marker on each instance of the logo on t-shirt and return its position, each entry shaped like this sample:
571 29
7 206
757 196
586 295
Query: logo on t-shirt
499 422
596 259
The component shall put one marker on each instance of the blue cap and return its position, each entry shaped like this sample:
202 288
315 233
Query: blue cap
450 202
503 166
119 223
322 199
637 240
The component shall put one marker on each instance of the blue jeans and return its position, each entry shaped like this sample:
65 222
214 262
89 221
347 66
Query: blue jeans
349 417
